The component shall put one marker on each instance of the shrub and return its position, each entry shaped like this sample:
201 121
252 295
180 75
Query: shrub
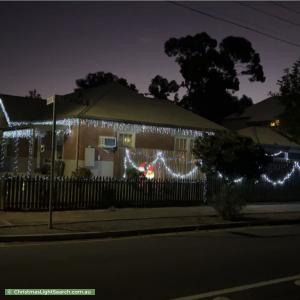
133 173
82 173
229 202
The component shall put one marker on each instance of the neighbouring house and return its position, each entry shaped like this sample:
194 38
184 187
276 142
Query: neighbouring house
264 113
273 141
108 129
261 122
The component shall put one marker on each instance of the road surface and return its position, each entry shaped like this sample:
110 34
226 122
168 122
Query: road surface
237 264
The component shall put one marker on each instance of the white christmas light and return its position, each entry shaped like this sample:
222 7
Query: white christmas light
3 152
236 180
295 167
267 179
16 156
5 113
159 157
19 133
276 154
117 126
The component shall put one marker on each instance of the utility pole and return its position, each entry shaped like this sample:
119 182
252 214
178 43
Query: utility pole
53 148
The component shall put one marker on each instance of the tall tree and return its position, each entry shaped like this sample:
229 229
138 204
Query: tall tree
33 94
289 84
243 103
211 71
161 88
101 78
289 89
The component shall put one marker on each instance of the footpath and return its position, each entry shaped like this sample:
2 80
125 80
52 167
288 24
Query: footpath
86 224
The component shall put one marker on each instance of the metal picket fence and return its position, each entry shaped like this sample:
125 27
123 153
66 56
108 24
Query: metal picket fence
32 193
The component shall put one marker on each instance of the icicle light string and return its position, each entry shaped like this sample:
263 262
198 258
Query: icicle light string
3 152
30 156
16 156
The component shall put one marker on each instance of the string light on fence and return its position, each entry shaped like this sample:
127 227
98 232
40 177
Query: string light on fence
159 157
174 174
295 167
276 154
236 180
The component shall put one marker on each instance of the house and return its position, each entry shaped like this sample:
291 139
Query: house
107 129
263 113
262 123
273 141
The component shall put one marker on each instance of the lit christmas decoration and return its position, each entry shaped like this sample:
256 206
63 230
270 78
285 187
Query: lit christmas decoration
237 180
30 156
3 152
20 133
5 113
267 179
285 178
16 156
159 157
117 126
147 170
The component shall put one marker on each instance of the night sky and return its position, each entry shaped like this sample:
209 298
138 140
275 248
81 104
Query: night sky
48 45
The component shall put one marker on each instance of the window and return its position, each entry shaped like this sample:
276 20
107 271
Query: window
192 143
180 144
126 140
184 144
275 123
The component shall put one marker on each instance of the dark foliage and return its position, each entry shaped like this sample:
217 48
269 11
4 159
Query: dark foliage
232 155
33 94
289 89
211 71
101 78
229 202
161 88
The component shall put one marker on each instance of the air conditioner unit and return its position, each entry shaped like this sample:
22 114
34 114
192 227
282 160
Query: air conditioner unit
107 142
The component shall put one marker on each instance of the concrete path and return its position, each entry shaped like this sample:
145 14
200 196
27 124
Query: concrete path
133 221
34 218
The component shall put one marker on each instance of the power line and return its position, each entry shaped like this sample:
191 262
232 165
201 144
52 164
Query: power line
235 24
285 7
269 14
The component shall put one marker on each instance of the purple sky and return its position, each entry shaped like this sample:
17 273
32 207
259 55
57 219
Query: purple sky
48 46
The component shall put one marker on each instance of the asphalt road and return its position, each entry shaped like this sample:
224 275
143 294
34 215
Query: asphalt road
238 264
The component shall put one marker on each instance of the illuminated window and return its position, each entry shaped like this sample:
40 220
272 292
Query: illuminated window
180 144
275 123
126 140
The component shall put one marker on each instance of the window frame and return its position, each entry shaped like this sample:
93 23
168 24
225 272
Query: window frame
188 141
132 139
